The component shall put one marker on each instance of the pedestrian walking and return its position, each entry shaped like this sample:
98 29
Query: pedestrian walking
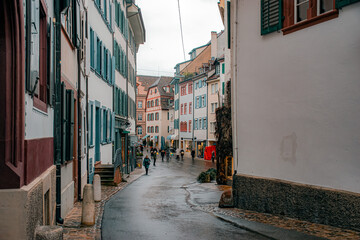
168 154
193 154
146 163
151 152
154 157
162 154
182 154
213 156
177 153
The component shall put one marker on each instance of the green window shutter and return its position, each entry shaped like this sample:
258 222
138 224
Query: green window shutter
91 123
223 68
95 51
98 55
103 57
91 48
105 123
122 104
63 122
115 99
70 125
205 100
116 12
127 106
113 127
111 67
51 64
108 67
271 16
343 3
223 88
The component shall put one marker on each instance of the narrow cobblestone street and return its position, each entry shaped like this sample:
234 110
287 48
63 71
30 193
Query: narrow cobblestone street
177 180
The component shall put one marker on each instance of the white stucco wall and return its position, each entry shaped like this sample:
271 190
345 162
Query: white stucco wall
39 124
297 97
98 89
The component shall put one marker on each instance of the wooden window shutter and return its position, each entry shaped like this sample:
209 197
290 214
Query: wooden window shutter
77 35
113 127
91 48
101 130
271 16
51 64
113 71
95 51
63 123
109 67
91 123
343 3
103 57
70 124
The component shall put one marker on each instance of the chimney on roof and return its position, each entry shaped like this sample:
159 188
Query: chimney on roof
213 44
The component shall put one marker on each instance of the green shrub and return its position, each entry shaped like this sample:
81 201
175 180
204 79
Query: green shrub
212 173
204 177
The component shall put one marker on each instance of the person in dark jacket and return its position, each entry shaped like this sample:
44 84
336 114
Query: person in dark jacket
154 156
193 154
162 154
146 163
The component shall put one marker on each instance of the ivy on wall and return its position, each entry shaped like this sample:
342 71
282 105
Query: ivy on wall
223 133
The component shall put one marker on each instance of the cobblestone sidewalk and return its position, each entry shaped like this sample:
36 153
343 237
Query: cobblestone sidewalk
72 225
318 230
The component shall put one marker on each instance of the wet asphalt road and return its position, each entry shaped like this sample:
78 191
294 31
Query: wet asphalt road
163 205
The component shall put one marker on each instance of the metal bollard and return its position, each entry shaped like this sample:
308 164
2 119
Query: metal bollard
88 206
97 188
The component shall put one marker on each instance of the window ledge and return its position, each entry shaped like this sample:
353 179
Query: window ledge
39 104
310 22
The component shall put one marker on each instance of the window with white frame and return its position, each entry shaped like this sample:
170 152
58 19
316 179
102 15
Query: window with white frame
214 106
301 7
139 130
212 127
196 124
203 101
324 6
200 123
140 117
139 104
214 88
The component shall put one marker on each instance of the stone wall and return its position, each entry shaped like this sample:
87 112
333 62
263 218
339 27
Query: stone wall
305 202
22 210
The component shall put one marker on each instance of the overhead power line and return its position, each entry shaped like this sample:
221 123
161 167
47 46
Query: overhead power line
182 37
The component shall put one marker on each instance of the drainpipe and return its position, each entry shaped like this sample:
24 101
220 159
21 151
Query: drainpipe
57 111
79 122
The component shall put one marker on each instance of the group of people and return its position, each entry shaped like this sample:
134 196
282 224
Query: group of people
154 152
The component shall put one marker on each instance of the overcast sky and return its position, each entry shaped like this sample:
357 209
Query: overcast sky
163 47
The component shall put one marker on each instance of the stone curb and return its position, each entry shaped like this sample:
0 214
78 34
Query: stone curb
265 230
